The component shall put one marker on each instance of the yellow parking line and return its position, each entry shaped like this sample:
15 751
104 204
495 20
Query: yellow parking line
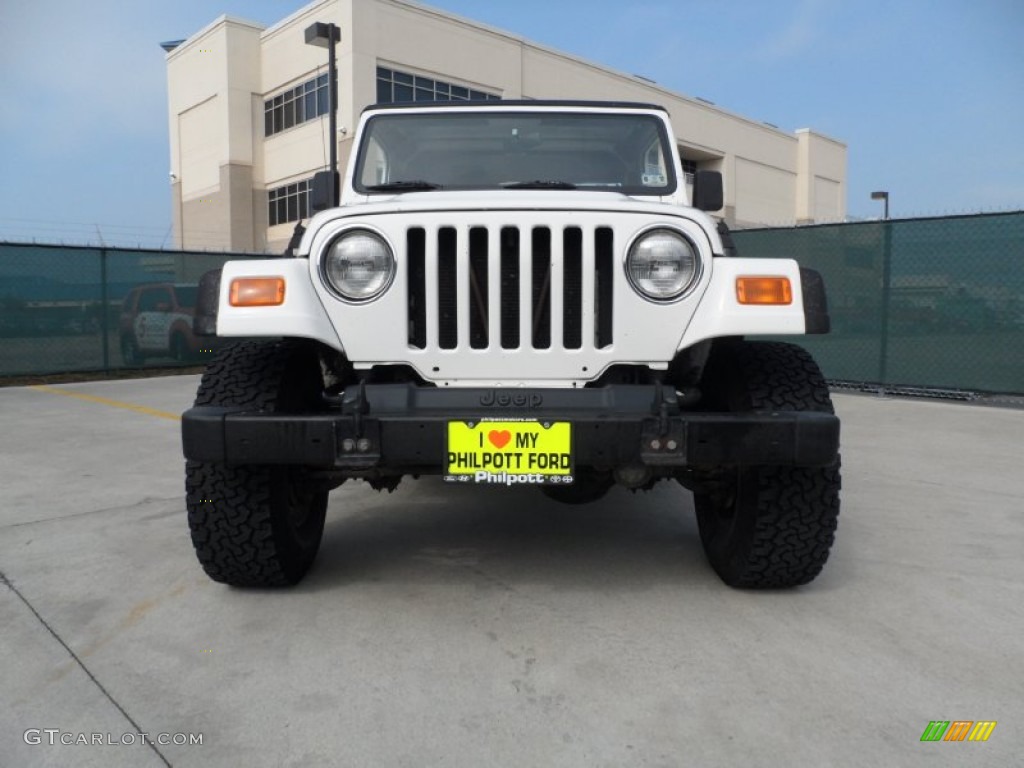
108 401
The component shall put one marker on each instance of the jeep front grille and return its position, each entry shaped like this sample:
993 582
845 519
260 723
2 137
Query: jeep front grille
516 287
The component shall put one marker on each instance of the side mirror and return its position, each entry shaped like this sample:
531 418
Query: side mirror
324 193
707 191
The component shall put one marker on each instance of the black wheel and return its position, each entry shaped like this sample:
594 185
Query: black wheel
257 526
130 353
767 527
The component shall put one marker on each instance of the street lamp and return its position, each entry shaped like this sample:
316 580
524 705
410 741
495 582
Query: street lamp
882 196
326 36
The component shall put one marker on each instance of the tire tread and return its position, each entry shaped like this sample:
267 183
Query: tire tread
231 508
795 510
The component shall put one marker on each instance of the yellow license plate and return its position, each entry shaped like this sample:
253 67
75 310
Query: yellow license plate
509 452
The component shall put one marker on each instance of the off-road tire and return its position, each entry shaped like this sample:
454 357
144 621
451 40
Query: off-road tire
257 526
767 527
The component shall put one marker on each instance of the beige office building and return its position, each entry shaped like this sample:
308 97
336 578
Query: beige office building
248 123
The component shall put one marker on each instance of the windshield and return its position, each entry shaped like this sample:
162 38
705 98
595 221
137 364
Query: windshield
626 153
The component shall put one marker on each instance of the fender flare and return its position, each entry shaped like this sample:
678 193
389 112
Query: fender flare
300 315
720 313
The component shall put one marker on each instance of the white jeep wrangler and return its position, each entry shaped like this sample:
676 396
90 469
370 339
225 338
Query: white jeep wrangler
514 293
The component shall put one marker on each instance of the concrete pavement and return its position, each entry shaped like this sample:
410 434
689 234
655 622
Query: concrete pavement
478 627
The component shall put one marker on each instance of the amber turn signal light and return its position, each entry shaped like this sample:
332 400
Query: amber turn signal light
764 290
257 291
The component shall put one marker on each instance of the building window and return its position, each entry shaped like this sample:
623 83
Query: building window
289 203
394 86
689 170
295 106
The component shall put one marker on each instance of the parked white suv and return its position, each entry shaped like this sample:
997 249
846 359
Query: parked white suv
514 293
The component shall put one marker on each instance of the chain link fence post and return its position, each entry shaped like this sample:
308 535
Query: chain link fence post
104 310
883 341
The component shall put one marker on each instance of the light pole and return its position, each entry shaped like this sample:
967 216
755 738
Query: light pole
327 36
882 196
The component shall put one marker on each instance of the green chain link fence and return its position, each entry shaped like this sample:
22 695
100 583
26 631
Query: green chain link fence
931 304
67 308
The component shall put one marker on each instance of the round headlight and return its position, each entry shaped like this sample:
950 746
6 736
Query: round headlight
662 265
359 265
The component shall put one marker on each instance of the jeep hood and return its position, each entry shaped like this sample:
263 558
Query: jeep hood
501 200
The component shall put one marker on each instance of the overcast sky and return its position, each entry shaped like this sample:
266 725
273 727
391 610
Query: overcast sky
927 94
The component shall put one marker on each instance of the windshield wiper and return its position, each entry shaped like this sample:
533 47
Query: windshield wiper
403 186
539 184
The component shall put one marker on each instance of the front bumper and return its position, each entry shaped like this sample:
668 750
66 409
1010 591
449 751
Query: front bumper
402 427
